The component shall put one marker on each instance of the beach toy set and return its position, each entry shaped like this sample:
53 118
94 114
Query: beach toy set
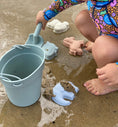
21 72
21 69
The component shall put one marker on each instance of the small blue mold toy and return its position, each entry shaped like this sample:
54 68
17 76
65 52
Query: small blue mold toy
62 92
50 50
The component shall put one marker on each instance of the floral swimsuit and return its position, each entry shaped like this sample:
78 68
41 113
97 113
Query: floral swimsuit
103 12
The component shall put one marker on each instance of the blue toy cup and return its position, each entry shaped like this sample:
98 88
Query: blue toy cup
21 73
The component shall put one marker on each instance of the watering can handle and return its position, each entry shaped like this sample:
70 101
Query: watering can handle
37 30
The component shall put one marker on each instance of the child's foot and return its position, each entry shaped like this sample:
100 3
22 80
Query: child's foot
75 46
88 46
96 87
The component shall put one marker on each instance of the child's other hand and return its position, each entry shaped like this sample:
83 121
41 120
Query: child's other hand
108 74
40 18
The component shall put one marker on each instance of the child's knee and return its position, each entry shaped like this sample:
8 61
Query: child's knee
99 49
81 18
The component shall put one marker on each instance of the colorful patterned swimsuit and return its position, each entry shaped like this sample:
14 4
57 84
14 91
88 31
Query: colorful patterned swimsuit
103 12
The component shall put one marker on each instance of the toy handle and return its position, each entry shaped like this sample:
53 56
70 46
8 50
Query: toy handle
38 29
36 33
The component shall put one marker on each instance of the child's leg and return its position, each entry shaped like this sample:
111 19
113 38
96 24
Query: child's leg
86 26
105 51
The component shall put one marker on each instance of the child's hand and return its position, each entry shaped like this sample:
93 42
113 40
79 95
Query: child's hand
40 18
88 46
108 74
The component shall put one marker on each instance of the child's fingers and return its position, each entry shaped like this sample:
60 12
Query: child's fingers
43 26
102 77
37 21
100 71
105 80
88 49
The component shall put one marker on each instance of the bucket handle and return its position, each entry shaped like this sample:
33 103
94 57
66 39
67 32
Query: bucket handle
2 76
17 85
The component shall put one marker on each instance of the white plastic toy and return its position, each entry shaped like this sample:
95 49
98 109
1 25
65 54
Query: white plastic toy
58 26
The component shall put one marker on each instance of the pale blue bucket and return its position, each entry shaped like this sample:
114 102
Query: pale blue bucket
21 73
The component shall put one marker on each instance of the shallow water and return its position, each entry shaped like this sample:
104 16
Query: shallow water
16 23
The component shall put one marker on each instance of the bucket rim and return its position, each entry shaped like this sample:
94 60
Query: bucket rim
21 80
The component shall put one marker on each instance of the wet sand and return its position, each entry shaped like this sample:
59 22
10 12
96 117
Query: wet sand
16 23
